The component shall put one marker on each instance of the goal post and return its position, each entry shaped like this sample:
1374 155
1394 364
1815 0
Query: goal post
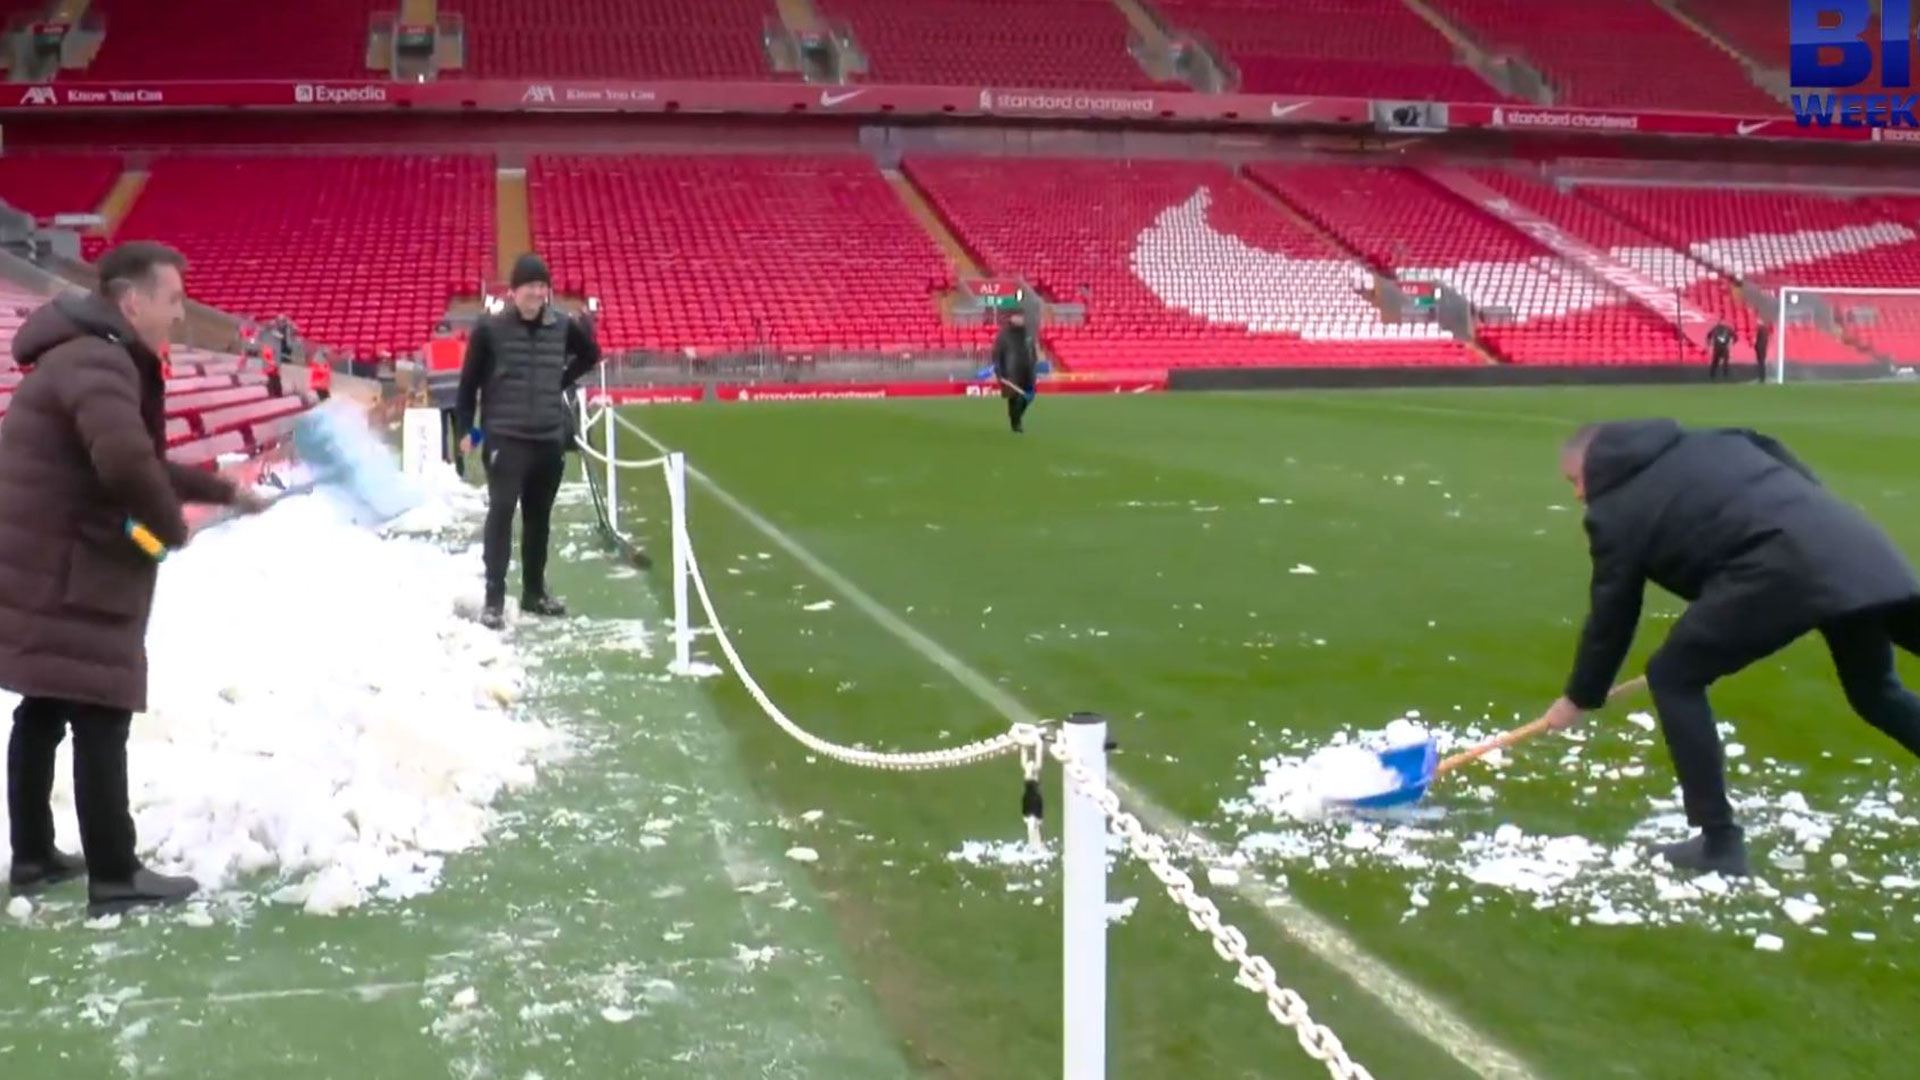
1831 334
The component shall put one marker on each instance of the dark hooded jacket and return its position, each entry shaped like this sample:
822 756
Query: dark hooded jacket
1016 356
1726 519
83 449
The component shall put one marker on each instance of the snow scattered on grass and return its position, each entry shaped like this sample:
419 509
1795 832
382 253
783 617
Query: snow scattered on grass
1302 568
319 712
1768 942
822 605
803 854
20 909
1458 851
1118 911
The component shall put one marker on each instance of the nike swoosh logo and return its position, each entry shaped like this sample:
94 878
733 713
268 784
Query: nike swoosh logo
1749 127
1278 110
829 100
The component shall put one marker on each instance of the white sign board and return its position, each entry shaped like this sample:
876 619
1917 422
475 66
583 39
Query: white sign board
420 441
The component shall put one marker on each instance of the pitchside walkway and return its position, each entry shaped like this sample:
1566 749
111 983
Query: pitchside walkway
635 916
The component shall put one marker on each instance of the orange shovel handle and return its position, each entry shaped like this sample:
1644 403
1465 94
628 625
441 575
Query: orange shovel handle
1520 734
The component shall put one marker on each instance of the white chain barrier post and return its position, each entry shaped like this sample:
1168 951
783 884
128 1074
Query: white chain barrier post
1255 972
1084 905
682 565
613 477
1093 808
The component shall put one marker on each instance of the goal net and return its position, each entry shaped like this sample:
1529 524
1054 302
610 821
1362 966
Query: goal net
1843 334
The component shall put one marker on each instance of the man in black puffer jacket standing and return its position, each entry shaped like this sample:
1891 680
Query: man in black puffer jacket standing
1016 361
1730 521
519 365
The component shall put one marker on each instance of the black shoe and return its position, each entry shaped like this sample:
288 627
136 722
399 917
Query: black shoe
30 877
147 889
493 618
1723 853
543 605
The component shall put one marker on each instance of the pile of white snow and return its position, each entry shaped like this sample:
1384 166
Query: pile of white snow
320 720
1309 789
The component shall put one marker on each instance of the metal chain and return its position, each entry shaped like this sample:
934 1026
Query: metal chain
1015 738
1255 973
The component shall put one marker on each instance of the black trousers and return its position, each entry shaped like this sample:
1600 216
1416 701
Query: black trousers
1016 406
1716 638
450 442
1717 364
99 784
524 476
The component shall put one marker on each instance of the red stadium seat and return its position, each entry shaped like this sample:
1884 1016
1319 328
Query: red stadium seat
363 252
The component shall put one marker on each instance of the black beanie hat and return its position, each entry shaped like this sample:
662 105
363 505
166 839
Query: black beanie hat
528 269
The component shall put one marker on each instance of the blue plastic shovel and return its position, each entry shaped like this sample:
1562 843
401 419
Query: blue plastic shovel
1419 764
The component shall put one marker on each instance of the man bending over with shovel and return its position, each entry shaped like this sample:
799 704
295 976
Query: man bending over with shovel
1733 523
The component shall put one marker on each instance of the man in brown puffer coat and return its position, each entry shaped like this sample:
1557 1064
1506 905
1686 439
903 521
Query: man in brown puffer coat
82 453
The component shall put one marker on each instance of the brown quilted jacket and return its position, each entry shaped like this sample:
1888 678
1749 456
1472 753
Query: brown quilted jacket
84 449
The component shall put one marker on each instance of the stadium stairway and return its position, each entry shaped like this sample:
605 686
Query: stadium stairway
1508 74
800 16
1772 80
115 206
513 228
922 211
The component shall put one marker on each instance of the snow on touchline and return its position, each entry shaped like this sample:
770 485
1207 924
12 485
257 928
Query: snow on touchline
320 720
1459 849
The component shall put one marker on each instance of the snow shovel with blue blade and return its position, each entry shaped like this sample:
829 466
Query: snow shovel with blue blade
1419 764
340 452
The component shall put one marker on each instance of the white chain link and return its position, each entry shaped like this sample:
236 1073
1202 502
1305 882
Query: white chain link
1014 738
1032 742
1255 973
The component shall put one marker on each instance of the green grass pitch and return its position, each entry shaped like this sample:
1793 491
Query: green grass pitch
1132 555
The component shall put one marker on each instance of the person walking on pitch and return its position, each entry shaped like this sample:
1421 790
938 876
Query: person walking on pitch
519 365
1732 522
1016 363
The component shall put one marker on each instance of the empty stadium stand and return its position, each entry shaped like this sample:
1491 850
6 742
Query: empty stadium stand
1789 237
213 406
1786 238
1073 44
1700 285
363 252
1404 225
615 39
1619 54
1362 48
233 39
47 184
727 253
1755 27
1178 264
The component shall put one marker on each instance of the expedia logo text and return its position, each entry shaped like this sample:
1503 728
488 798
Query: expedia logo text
1069 103
340 95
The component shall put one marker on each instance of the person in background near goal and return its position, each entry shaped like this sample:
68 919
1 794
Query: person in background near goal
1732 522
1015 363
519 366
1720 349
83 454
1762 335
